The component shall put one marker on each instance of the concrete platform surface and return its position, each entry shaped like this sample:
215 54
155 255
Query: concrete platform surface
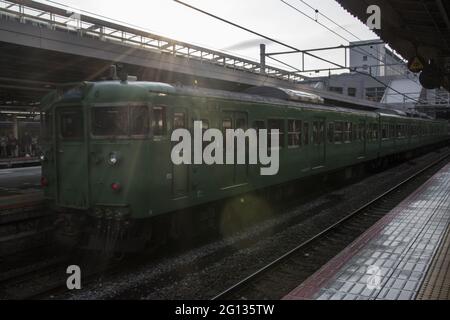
390 260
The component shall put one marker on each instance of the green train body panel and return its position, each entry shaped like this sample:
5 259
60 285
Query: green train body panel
80 176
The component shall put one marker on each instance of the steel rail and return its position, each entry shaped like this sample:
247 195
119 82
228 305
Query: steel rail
241 284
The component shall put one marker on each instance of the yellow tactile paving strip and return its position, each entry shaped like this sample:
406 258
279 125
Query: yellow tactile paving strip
437 282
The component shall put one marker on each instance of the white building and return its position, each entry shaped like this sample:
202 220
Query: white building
375 58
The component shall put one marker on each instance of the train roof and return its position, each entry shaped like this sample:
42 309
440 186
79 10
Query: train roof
138 90
293 98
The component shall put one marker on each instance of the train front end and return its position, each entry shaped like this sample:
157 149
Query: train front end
93 168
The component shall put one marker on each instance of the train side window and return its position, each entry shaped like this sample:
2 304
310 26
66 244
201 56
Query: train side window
338 132
375 131
139 120
110 121
330 132
274 124
361 131
71 125
384 131
259 125
306 133
318 132
369 135
205 124
241 123
159 122
355 132
348 128
179 120
294 133
227 124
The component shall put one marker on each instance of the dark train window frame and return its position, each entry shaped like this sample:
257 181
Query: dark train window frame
361 131
338 136
204 128
228 119
281 133
144 133
348 129
174 127
203 121
244 121
297 133
162 128
384 131
128 134
306 133
256 127
375 132
72 109
369 132
318 132
330 133
392 132
100 136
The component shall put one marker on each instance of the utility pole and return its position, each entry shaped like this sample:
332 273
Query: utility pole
262 47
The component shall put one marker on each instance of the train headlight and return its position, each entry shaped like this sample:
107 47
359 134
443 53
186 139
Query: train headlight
113 158
42 157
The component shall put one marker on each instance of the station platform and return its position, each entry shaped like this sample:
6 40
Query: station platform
17 162
404 256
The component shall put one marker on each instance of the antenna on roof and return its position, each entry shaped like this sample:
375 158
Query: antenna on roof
119 72
113 72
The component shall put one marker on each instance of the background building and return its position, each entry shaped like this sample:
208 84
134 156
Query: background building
378 74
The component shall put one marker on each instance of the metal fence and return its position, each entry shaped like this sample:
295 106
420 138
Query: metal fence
62 19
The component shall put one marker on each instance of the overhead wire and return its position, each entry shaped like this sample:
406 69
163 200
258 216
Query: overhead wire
291 47
364 52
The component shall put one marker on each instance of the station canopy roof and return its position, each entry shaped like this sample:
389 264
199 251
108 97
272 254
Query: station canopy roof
411 27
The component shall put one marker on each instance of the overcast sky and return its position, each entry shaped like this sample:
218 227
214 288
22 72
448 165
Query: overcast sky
272 18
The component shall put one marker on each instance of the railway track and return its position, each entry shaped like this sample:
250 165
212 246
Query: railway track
47 276
47 279
285 273
24 226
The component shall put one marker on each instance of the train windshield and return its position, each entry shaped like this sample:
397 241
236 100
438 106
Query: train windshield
71 124
110 121
120 121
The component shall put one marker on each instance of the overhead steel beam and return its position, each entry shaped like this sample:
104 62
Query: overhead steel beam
327 48
443 13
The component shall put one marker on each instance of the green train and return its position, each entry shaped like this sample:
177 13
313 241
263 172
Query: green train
107 151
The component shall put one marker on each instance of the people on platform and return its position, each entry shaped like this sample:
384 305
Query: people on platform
3 146
13 146
26 146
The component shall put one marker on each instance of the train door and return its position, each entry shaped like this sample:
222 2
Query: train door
71 160
240 170
306 143
180 173
318 141
362 139
235 174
